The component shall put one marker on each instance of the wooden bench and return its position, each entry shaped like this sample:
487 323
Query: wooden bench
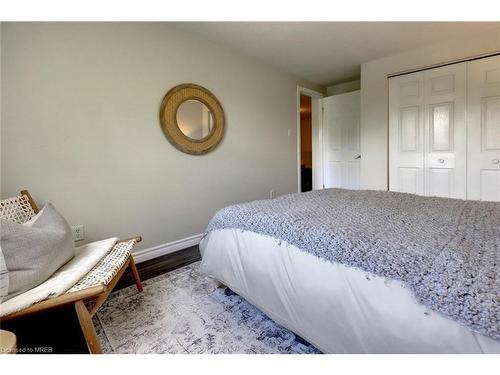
88 294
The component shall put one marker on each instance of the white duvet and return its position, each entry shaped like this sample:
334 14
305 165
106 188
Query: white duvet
338 309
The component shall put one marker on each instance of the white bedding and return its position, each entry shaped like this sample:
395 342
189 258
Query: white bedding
338 309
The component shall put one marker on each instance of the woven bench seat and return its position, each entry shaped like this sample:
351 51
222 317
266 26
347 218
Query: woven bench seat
107 268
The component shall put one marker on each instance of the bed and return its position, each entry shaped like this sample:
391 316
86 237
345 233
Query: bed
313 263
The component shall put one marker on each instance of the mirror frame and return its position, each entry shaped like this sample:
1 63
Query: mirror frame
168 118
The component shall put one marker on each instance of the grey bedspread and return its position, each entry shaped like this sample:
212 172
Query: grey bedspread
447 251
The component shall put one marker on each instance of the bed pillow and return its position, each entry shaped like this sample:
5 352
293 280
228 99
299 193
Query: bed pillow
33 251
4 277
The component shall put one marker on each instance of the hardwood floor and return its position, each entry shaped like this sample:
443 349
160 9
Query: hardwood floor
59 331
161 265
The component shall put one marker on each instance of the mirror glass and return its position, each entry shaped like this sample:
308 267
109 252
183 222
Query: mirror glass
194 119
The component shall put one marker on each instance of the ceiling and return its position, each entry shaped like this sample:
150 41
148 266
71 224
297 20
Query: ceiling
328 52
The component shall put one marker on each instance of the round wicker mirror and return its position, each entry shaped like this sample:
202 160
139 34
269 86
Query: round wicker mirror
192 119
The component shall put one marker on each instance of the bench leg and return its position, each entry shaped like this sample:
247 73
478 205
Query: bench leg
88 328
135 274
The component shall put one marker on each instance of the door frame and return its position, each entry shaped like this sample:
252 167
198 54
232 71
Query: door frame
316 120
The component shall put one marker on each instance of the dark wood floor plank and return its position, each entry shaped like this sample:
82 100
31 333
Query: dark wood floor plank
158 266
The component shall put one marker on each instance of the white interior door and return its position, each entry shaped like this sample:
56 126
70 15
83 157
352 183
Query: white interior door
483 126
341 154
406 133
427 132
445 131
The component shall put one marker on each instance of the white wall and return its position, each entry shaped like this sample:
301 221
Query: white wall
341 88
80 127
374 121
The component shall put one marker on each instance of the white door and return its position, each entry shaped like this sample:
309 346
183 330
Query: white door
341 155
445 131
406 134
427 132
483 126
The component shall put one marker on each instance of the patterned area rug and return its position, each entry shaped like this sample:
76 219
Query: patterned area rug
184 312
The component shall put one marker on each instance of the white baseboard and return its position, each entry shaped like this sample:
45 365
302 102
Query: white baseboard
167 248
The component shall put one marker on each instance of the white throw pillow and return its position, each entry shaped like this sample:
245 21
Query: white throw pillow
4 277
33 251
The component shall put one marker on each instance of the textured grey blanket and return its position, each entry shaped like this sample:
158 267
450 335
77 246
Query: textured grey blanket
447 251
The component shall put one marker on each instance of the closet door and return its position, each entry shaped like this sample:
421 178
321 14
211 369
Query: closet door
445 131
406 135
427 132
483 126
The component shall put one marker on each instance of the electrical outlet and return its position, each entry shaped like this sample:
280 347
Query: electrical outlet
272 194
78 232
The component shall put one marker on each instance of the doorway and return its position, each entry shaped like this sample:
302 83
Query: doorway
309 155
305 143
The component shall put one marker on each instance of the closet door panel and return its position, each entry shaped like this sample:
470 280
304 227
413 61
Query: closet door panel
490 185
406 141
441 127
409 180
490 131
445 131
440 182
483 121
409 129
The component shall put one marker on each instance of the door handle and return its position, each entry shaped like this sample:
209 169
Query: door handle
440 161
357 157
495 161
